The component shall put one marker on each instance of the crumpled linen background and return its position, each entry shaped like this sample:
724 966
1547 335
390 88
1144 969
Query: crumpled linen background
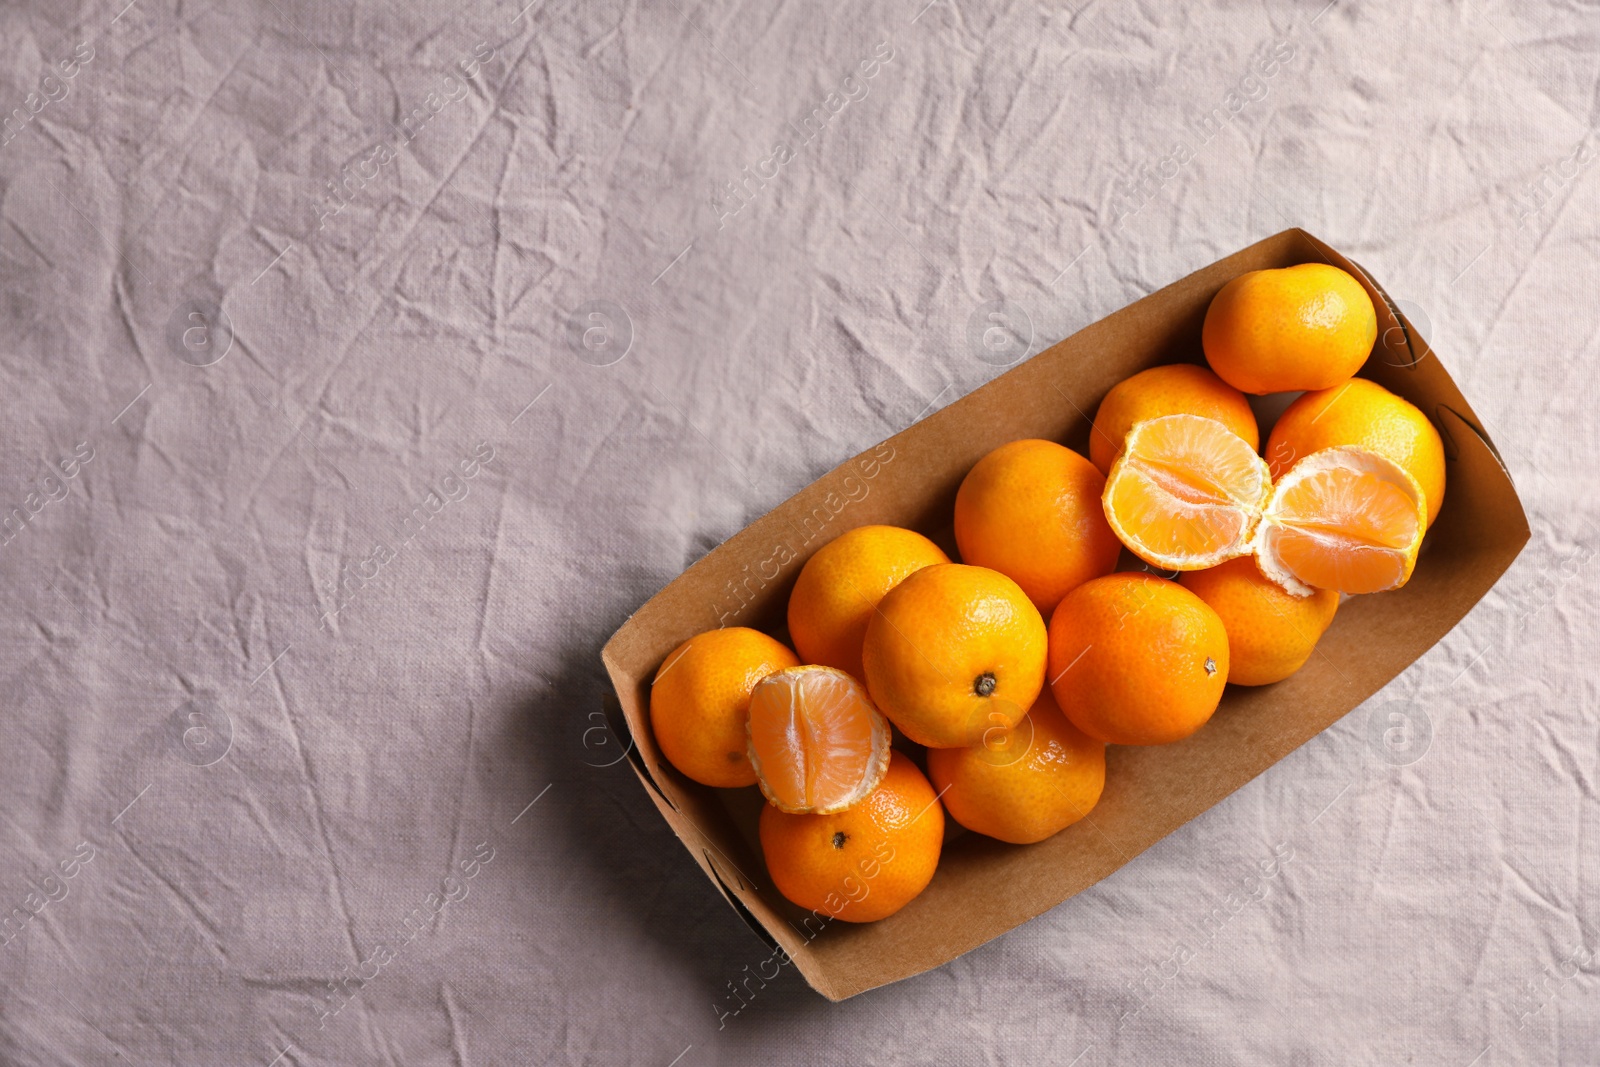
365 364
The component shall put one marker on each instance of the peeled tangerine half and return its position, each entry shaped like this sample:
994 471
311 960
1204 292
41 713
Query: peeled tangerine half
817 742
1186 493
1345 519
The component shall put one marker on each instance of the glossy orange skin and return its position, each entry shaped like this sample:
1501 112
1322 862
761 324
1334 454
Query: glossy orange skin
1364 414
950 648
700 698
840 587
1137 660
1023 784
1271 632
1031 510
864 864
1175 389
1310 326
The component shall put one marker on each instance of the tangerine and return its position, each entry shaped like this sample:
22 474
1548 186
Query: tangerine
1310 326
700 698
1023 784
1136 659
953 650
863 864
841 584
1031 510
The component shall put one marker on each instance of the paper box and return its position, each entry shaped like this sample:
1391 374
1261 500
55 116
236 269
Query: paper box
983 887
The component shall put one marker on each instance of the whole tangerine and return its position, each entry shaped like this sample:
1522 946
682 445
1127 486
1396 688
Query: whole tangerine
1031 510
1271 632
1310 326
1136 659
840 587
953 650
700 699
863 864
1023 784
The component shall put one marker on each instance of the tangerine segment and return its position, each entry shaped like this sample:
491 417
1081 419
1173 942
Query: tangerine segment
864 864
1345 519
1186 493
1364 414
816 742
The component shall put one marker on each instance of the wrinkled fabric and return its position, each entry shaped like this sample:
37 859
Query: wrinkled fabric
365 365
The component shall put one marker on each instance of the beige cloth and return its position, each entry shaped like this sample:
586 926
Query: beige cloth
366 364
